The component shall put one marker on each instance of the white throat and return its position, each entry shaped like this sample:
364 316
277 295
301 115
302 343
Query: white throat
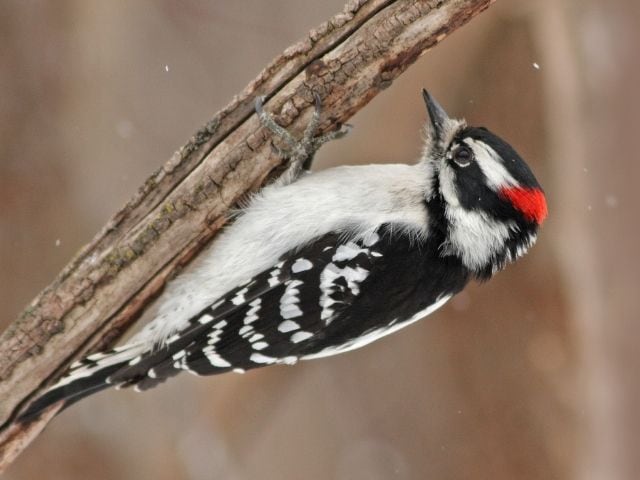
474 237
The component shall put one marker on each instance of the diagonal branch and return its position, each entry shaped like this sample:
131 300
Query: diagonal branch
102 291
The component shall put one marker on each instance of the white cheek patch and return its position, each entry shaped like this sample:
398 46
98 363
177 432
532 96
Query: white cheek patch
474 237
491 165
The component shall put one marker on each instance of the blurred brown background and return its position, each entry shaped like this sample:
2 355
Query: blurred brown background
531 376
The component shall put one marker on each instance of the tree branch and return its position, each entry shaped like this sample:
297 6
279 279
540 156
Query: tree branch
103 290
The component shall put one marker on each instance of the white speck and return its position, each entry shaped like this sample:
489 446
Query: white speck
300 336
166 68
260 345
301 265
239 370
58 242
536 66
288 326
611 201
152 373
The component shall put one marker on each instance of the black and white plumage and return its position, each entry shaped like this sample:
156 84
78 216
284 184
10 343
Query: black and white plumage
331 261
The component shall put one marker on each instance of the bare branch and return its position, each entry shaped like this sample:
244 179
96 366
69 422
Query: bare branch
102 291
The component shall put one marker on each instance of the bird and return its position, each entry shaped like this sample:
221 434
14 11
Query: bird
321 263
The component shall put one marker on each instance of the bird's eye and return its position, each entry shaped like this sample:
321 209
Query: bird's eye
462 155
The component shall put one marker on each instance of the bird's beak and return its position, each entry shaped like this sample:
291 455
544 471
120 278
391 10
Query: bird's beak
437 115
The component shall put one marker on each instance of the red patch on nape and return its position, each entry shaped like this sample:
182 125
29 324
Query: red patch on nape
530 201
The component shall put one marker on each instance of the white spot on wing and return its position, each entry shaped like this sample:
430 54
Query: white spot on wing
245 330
273 278
214 358
178 355
289 300
256 337
238 299
220 325
301 265
348 251
300 336
206 318
288 326
252 313
260 358
290 311
328 277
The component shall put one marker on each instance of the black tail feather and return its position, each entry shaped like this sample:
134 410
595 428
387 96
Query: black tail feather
93 378
68 394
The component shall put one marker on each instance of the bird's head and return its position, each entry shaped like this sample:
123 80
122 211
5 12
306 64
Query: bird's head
483 195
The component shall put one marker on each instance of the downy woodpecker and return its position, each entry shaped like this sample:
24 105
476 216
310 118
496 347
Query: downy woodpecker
322 263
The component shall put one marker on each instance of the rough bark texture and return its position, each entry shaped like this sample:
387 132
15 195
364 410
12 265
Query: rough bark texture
102 291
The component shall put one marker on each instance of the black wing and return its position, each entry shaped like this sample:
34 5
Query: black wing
282 314
330 296
327 297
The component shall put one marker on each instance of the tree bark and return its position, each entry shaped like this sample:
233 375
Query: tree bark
102 291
